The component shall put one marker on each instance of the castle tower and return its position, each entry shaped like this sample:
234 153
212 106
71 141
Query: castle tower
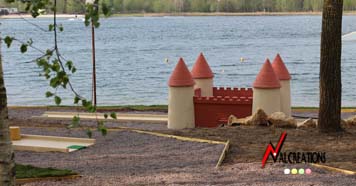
203 76
180 99
266 90
284 78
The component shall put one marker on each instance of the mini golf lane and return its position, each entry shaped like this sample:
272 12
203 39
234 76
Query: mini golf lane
120 116
39 143
123 154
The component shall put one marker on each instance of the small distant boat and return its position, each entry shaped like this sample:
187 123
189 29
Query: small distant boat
243 60
349 36
76 19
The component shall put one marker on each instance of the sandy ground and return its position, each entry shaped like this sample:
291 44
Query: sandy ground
128 158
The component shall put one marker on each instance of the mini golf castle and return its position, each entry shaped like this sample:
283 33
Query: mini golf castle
195 102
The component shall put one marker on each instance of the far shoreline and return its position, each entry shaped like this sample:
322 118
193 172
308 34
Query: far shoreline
163 108
185 14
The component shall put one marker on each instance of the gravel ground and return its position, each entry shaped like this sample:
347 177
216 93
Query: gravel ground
128 158
125 158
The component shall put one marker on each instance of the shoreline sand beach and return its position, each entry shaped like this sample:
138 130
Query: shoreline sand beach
19 16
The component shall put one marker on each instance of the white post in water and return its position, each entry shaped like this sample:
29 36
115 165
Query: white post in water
284 77
203 76
266 90
180 99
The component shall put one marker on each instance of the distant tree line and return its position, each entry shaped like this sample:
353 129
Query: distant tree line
168 6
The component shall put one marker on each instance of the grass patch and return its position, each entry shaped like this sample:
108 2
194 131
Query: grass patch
29 171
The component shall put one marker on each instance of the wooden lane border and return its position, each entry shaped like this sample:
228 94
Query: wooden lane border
100 114
29 180
120 118
19 146
346 110
334 169
223 153
182 138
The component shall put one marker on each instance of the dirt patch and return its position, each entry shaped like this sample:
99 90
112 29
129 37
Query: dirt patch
248 143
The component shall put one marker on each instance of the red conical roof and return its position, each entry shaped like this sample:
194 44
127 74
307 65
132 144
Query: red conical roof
181 76
280 68
201 69
266 78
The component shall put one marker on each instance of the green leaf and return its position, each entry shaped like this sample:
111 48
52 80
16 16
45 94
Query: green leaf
23 48
49 94
101 128
69 64
57 100
113 115
103 131
75 121
50 27
41 62
96 24
60 27
90 108
65 81
49 52
74 70
86 103
54 82
56 66
8 40
76 100
89 133
47 76
106 116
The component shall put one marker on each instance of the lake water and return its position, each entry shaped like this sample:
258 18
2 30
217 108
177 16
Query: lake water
131 53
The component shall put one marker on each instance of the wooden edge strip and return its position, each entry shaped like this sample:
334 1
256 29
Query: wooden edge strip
50 113
28 180
223 154
314 109
38 149
148 120
179 137
58 138
334 169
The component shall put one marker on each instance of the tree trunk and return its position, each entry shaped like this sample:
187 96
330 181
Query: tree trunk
7 165
330 67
